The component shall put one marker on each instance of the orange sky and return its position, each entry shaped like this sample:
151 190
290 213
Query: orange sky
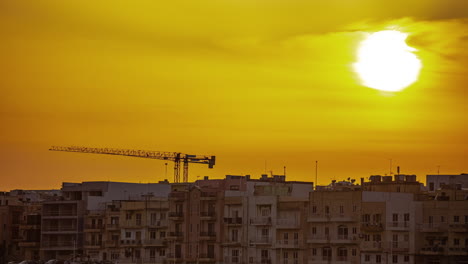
247 81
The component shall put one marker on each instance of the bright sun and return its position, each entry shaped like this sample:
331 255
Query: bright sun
386 63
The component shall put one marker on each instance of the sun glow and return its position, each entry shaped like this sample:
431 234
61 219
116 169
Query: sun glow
386 62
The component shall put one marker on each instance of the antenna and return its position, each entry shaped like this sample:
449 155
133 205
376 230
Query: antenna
316 173
390 167
284 171
438 169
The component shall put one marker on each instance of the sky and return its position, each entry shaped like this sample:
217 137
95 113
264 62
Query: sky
262 85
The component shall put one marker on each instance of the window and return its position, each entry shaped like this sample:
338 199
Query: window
442 219
466 219
354 208
153 235
366 237
235 235
366 218
314 252
367 258
162 252
406 258
395 217
326 253
377 237
406 238
395 258
354 230
264 254
265 210
114 255
314 209
406 217
377 218
342 232
314 230
378 259
353 252
456 241
162 234
341 209
137 253
128 216
286 236
138 219
211 251
296 236
327 209
285 255
295 255
342 254
327 231
235 255
431 186
128 234
265 232
152 253
456 218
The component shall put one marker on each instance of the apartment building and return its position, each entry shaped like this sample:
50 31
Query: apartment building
436 182
71 222
443 231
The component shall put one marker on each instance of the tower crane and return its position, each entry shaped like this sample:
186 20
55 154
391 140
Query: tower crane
176 157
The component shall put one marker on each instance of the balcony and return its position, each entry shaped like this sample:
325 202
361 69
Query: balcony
287 243
318 218
458 251
112 243
176 215
399 246
171 258
93 244
208 196
60 213
433 227
93 228
155 242
344 239
288 223
398 226
343 218
261 241
459 228
159 223
207 235
371 246
432 251
260 221
372 227
131 242
59 229
317 239
26 244
206 258
58 244
208 215
233 221
176 235
114 226
232 260
231 243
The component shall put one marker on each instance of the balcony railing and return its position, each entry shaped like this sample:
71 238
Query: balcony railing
288 223
398 225
233 220
60 213
176 214
176 234
59 228
90 226
231 259
372 226
318 239
205 256
261 240
57 243
208 214
177 195
112 226
208 195
371 246
93 244
399 245
260 221
293 243
208 234
433 227
156 242
434 250
159 223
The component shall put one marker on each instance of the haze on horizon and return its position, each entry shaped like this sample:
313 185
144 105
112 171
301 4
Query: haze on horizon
246 81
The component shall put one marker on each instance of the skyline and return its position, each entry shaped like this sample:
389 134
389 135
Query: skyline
248 82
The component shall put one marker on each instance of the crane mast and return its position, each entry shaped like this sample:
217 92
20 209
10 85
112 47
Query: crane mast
176 157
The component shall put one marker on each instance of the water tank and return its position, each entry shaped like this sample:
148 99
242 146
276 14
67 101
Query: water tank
411 178
375 178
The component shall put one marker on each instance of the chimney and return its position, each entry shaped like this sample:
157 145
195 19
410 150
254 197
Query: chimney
398 169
